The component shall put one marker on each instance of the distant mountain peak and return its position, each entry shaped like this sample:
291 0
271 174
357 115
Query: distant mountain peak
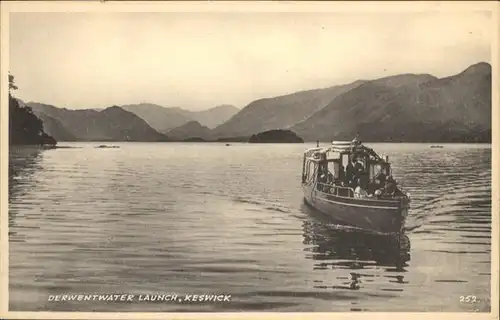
223 106
115 109
280 112
404 79
409 107
113 123
191 129
164 119
480 68
193 123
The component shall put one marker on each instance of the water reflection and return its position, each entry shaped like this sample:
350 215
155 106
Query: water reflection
264 250
339 247
24 162
354 260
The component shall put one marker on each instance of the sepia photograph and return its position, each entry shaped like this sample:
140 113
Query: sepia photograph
266 157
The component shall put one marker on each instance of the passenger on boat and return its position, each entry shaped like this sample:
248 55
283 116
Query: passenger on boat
350 168
323 179
359 168
379 181
341 175
390 188
360 191
330 177
354 171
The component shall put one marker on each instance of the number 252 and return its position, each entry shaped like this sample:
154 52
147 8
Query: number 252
467 298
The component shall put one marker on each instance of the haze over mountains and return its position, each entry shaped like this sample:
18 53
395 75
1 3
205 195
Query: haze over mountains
165 119
280 112
140 122
406 107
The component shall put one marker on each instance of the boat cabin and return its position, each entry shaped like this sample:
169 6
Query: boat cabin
344 166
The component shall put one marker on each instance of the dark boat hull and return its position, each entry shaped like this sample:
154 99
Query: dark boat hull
369 214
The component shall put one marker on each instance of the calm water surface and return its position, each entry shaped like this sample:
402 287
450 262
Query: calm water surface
207 218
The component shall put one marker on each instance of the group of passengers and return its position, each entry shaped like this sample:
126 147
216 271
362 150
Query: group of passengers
355 176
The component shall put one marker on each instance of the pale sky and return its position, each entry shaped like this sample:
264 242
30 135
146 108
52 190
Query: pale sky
200 60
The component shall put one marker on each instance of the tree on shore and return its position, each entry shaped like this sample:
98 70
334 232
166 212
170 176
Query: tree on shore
25 128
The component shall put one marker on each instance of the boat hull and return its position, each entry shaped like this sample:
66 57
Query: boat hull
369 214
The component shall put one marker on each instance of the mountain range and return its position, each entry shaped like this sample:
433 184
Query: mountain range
405 107
410 108
280 112
140 122
110 124
165 119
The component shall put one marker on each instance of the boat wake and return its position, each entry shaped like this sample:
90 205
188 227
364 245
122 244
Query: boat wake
264 205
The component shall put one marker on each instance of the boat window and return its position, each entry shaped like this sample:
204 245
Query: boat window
333 168
332 155
372 171
303 169
310 169
306 170
345 160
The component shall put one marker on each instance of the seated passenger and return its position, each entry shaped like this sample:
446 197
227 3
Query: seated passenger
330 178
360 191
359 168
380 180
322 182
390 187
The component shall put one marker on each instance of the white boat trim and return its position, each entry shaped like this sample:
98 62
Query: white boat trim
350 198
342 143
358 205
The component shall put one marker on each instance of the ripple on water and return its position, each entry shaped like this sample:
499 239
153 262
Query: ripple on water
202 218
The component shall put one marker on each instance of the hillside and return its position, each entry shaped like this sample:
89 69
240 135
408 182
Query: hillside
405 107
159 118
110 124
190 130
165 119
280 112
55 128
215 116
421 108
25 128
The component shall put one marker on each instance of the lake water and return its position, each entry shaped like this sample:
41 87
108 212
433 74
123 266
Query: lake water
207 218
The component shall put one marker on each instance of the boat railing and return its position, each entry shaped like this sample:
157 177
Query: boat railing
313 153
336 190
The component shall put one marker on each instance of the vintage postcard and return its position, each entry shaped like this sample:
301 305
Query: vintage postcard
249 159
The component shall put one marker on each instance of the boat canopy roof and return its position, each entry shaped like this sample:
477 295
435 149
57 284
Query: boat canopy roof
343 147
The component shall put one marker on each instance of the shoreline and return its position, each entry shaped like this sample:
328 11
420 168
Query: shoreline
227 142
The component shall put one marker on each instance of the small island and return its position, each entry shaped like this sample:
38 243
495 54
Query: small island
276 136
